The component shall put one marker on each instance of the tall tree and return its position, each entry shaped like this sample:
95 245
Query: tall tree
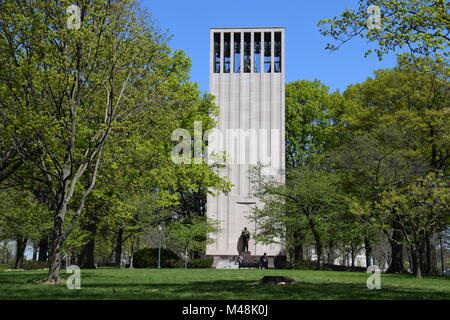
193 236
419 210
23 219
420 26
66 90
139 182
307 122
392 130
311 194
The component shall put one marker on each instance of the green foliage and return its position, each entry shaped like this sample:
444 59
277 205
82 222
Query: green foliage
204 263
307 201
193 236
304 265
148 258
77 238
309 137
34 265
416 210
280 262
421 208
70 94
392 129
22 216
308 122
4 267
417 25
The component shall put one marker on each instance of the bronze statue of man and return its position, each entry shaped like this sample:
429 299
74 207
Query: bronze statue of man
245 238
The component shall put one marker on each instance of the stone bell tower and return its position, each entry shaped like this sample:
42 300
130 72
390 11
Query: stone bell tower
247 77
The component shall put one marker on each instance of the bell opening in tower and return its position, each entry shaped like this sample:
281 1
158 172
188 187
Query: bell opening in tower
216 52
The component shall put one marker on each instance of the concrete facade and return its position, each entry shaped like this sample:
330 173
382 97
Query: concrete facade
249 89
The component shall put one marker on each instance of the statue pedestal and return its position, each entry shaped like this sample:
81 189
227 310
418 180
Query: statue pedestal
227 264
245 254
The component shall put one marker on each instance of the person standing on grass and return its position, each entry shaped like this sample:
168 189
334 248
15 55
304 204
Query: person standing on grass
264 262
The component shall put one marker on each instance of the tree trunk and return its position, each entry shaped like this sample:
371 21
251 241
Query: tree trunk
112 255
4 252
43 249
86 260
186 259
55 255
352 252
319 254
396 265
138 245
318 243
413 262
290 249
21 244
119 247
423 258
133 241
427 267
344 256
418 271
432 265
87 257
35 251
298 247
330 258
319 250
368 252
442 252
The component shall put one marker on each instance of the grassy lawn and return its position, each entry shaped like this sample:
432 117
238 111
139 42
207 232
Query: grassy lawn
205 284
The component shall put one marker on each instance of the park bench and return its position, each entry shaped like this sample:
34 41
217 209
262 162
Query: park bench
249 263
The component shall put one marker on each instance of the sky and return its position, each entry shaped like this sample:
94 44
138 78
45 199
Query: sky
306 58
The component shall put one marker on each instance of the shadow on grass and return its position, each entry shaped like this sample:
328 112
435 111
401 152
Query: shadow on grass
233 289
227 290
22 277
20 286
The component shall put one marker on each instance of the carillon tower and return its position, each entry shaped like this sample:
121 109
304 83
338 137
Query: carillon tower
247 77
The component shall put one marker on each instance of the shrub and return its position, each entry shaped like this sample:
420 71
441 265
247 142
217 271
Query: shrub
280 262
175 263
34 265
3 267
201 263
106 264
332 267
148 258
327 267
304 265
